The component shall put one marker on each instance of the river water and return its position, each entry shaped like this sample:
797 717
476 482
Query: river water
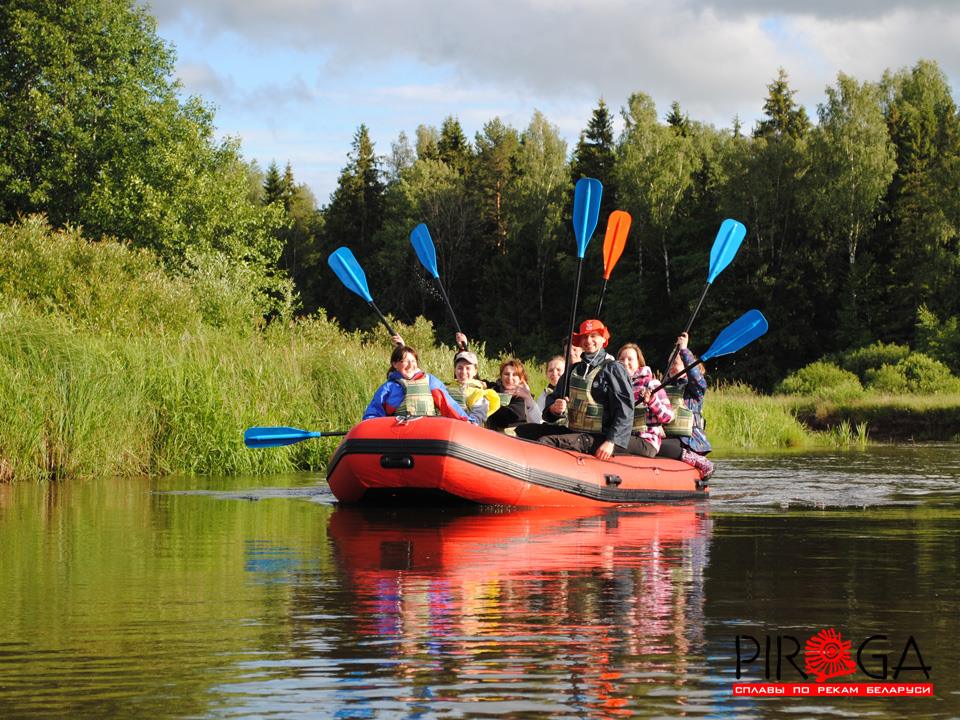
260 598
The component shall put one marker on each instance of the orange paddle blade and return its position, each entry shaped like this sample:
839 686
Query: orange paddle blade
618 225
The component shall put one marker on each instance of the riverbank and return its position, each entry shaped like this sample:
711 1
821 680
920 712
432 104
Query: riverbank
82 404
111 365
887 418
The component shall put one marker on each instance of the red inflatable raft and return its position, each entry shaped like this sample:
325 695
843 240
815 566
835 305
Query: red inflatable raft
384 459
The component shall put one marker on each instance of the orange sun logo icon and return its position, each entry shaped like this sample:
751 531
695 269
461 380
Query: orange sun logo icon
828 655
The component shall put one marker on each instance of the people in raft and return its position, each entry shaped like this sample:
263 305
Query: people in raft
555 368
686 439
517 404
600 404
468 390
652 407
515 400
410 391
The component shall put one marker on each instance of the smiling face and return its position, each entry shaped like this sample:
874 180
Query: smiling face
407 365
510 377
465 371
591 342
555 371
628 357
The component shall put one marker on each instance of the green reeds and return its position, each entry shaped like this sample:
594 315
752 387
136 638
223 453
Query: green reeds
740 419
845 436
77 404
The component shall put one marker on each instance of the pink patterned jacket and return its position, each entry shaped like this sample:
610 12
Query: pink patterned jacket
659 409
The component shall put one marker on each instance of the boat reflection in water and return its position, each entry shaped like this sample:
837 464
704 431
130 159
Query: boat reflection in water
561 611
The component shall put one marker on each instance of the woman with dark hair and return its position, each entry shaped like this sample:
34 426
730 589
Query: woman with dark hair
410 391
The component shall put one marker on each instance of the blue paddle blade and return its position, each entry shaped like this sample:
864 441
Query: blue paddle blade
346 267
725 246
423 245
263 437
586 211
742 331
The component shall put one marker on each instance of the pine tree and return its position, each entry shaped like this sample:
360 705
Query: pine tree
496 146
287 187
452 146
784 116
272 185
920 247
594 157
678 120
354 215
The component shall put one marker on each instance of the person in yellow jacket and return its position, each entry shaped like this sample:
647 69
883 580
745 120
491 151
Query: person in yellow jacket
469 391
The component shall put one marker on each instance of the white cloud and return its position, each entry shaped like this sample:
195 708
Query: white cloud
712 56
395 65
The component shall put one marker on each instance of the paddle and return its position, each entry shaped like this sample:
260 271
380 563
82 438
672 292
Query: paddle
346 267
618 225
725 247
264 437
423 245
741 332
586 210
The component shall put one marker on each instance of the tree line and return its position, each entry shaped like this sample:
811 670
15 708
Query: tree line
851 216
852 224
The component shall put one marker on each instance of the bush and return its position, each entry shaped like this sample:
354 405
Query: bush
939 340
113 288
822 379
916 373
872 357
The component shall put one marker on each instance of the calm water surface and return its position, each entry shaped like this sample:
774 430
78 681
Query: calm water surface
259 598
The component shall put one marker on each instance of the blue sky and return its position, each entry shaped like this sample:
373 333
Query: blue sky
293 79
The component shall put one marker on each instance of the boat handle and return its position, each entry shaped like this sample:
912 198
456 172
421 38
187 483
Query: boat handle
396 462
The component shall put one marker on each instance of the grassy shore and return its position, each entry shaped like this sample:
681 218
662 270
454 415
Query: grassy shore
79 404
112 365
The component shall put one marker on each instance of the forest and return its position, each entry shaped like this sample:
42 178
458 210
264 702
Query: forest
851 209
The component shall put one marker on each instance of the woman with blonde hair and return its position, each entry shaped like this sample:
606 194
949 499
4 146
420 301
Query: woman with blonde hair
555 368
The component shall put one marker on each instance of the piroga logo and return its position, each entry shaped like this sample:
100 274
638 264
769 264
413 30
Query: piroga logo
826 655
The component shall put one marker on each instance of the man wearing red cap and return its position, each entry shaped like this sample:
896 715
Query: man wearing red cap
599 406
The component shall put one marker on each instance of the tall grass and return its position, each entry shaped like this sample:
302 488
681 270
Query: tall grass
740 419
78 405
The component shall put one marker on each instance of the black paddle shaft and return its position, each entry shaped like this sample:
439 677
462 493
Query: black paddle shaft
603 290
573 320
676 348
453 317
673 378
383 318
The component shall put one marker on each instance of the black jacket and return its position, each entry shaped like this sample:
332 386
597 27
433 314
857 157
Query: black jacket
612 388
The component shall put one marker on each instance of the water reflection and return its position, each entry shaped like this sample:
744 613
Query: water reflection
256 597
559 611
